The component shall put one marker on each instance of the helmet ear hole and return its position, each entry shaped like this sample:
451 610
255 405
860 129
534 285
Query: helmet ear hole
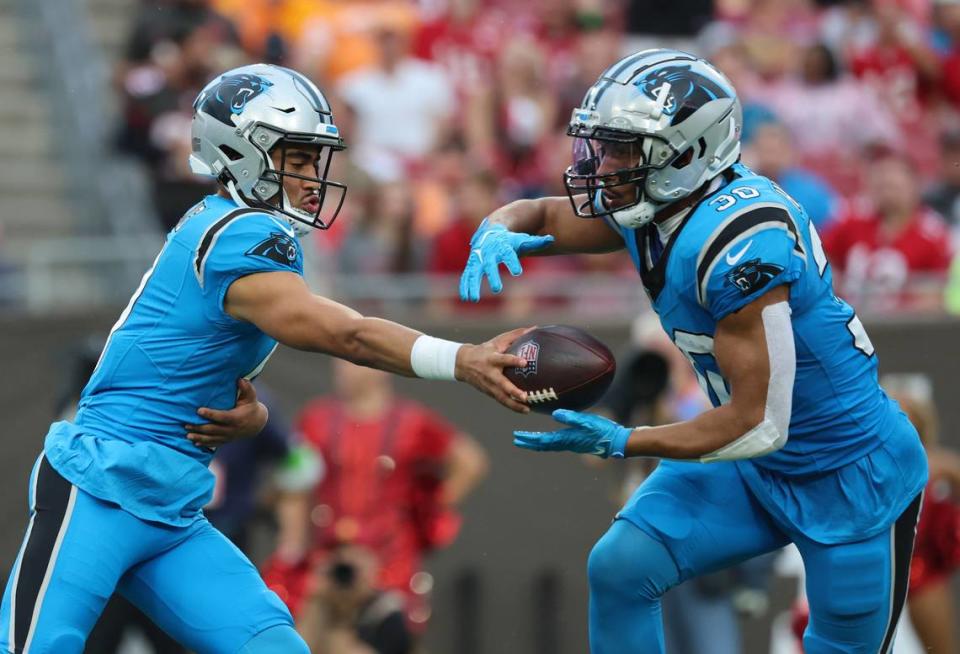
683 160
230 153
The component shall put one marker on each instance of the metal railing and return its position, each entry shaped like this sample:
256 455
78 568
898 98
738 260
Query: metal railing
102 272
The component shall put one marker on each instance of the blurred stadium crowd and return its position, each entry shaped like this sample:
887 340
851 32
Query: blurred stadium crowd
452 108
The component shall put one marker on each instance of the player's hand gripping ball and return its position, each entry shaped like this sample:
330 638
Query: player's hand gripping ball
567 368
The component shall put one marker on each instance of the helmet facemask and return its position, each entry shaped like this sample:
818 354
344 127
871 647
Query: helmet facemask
611 168
268 191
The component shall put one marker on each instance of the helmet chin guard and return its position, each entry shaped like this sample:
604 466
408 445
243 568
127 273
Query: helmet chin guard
636 215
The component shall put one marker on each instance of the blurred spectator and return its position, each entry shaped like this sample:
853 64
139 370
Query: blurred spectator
335 38
395 472
158 93
345 613
905 72
944 195
947 14
426 91
817 108
678 19
160 22
898 60
595 48
771 152
475 198
464 40
887 237
381 240
514 116
403 105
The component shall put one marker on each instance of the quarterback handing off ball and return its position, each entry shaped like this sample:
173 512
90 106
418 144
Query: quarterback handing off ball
567 368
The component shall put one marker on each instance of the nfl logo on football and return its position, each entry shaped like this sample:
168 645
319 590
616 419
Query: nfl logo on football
529 352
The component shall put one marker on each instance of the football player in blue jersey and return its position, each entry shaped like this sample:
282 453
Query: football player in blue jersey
115 497
802 446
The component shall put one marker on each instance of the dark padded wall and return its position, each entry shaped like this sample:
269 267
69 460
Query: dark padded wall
528 529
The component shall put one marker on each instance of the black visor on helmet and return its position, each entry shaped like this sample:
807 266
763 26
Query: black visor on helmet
609 167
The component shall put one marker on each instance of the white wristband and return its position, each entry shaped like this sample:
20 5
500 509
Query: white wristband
434 358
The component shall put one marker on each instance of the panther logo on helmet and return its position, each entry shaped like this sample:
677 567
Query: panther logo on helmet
685 89
231 95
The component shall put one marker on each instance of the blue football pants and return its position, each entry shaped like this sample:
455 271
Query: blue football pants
703 519
192 581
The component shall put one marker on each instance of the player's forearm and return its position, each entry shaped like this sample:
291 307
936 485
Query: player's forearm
378 343
526 216
550 216
693 439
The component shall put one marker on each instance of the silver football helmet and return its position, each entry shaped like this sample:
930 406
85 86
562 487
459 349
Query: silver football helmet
655 127
242 115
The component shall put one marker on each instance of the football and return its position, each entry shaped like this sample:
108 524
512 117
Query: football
567 368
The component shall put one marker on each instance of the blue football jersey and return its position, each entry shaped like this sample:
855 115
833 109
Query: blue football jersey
739 242
173 349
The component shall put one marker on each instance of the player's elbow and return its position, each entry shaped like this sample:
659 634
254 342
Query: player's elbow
348 339
351 340
765 436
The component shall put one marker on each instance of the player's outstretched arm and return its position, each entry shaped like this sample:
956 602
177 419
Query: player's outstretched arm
543 226
554 216
281 305
755 350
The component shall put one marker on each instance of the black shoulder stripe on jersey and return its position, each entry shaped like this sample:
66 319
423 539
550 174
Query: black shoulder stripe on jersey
750 220
209 238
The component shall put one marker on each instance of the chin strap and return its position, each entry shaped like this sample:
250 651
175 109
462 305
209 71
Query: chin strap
235 194
299 228
645 211
637 215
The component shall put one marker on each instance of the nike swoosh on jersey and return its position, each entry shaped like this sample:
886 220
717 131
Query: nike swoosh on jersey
732 259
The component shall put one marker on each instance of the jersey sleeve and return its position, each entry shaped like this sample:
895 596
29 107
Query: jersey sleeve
244 243
747 255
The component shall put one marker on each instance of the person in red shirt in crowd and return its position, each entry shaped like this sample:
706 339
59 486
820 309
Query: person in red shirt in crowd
474 199
936 551
395 471
883 241
947 14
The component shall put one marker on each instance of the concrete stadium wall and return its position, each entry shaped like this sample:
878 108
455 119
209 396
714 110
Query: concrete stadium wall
528 529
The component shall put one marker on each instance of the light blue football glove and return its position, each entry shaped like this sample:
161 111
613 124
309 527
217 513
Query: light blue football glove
588 434
491 245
